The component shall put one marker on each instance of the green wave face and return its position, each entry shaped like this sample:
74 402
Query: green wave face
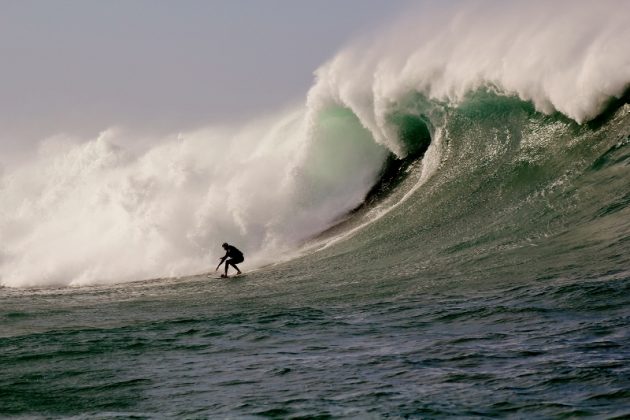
519 196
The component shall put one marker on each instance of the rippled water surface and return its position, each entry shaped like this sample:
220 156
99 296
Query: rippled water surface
183 349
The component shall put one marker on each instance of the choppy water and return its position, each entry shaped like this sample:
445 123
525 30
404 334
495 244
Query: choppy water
242 348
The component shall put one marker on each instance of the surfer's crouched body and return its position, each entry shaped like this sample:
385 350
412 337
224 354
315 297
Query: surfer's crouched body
232 257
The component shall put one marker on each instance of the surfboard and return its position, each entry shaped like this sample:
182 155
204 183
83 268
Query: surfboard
222 276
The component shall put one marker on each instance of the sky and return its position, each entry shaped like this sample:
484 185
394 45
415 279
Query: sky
77 67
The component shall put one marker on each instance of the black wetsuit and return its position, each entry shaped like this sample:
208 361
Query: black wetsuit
233 255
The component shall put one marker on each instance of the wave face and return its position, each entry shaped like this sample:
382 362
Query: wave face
518 196
485 100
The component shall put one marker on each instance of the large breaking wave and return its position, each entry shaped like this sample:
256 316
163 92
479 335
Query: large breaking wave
95 211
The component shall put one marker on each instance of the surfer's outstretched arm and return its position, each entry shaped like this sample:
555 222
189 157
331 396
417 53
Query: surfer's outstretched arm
221 262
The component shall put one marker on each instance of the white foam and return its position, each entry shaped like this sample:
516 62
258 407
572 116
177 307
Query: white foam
93 212
567 56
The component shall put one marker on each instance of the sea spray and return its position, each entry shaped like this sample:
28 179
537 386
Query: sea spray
95 212
566 56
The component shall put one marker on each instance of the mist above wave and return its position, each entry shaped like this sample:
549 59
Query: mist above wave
93 212
566 56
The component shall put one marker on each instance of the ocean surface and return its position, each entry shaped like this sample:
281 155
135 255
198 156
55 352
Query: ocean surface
443 256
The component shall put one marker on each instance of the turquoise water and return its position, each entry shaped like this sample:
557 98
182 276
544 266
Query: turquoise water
498 287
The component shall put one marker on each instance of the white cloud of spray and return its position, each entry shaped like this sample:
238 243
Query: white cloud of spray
567 56
96 212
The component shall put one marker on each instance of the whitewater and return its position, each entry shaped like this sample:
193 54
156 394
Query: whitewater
440 229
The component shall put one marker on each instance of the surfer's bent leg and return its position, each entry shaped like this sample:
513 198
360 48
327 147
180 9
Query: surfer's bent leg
233 262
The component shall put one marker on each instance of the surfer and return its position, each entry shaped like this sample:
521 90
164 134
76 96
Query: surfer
233 256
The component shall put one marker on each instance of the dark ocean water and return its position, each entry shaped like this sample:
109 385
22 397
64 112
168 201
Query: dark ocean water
499 288
544 350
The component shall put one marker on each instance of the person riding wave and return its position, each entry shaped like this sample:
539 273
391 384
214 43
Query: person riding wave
232 257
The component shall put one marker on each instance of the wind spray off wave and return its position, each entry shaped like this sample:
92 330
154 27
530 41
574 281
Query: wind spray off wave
91 212
563 56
